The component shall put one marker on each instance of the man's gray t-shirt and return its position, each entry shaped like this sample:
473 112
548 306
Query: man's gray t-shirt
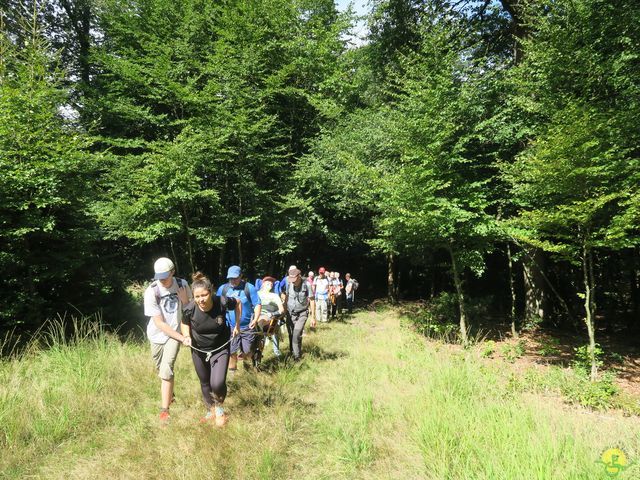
168 306
298 298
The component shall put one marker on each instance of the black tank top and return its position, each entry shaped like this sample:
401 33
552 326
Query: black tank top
209 330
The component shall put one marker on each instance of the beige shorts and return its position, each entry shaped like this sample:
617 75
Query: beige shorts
164 357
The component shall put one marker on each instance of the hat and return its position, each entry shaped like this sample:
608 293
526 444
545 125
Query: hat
293 272
268 279
234 271
163 268
321 270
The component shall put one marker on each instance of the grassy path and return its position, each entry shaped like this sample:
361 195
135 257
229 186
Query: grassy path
370 400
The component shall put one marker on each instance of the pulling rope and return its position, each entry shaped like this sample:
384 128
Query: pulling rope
210 353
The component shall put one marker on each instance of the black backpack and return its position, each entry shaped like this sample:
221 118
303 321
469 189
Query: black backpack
156 289
247 292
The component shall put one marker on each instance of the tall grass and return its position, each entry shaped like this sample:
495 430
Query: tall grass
370 400
58 387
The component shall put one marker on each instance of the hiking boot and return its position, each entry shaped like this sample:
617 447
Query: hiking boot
164 417
221 417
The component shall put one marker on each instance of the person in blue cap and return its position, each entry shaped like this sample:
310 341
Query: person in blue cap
242 290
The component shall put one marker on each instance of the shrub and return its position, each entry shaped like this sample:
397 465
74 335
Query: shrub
437 318
582 361
596 395
489 348
549 347
513 351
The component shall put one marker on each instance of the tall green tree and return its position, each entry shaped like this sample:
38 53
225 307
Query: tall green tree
577 182
46 235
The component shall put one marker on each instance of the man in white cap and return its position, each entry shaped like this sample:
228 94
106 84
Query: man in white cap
163 302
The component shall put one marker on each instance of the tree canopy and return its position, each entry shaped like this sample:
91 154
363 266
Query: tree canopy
257 133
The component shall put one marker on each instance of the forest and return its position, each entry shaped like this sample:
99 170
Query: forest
482 151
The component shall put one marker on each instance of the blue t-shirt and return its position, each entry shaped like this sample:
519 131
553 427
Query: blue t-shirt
276 287
258 283
247 308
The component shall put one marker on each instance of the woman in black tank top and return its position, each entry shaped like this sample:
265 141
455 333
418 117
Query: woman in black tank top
204 322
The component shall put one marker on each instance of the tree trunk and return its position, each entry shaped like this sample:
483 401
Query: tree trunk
635 290
589 306
187 233
461 300
535 295
221 262
79 15
518 29
391 291
173 254
512 288
240 234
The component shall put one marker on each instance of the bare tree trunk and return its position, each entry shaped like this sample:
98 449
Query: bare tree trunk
589 306
187 231
240 234
461 300
391 291
221 261
512 288
634 273
173 254
432 293
535 295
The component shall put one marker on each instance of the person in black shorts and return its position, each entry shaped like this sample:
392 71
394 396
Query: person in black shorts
204 322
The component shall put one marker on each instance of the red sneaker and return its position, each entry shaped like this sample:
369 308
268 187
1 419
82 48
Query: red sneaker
164 418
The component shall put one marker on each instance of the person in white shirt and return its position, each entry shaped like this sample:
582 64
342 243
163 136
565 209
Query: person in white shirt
163 303
272 306
321 295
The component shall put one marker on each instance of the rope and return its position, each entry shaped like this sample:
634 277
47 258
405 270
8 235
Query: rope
210 353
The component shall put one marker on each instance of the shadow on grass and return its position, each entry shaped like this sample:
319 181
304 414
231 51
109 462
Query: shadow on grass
273 364
271 384
277 389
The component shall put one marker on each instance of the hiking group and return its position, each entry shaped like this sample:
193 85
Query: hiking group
233 322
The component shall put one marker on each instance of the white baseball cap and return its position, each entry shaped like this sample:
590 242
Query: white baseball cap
163 268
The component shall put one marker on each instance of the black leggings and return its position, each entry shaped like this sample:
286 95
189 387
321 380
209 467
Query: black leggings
212 375
337 307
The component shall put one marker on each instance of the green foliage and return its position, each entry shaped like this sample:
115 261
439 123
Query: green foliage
596 395
512 351
220 100
575 387
46 234
436 319
488 349
531 323
549 347
249 132
582 358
